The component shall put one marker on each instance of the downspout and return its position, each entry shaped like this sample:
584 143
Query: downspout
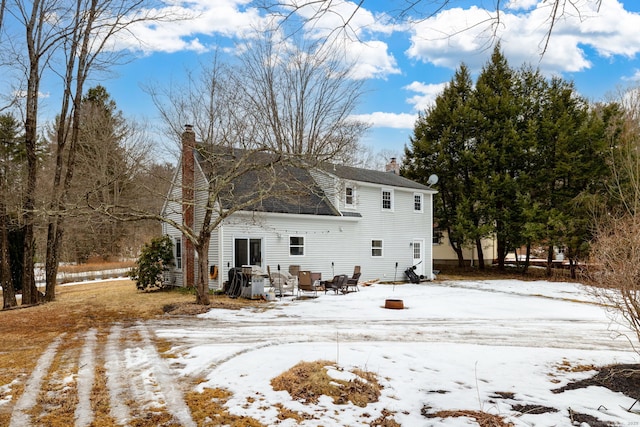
222 273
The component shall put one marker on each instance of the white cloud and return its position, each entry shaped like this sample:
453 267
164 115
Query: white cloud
426 96
345 18
521 4
634 77
371 59
388 120
469 34
193 21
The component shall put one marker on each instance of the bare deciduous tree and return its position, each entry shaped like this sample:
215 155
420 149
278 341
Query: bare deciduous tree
256 125
69 40
302 94
615 251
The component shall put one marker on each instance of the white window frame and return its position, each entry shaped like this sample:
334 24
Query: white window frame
177 246
352 196
382 199
419 196
302 246
375 248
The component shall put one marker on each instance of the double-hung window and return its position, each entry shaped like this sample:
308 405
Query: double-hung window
417 202
376 248
178 248
296 245
387 200
349 196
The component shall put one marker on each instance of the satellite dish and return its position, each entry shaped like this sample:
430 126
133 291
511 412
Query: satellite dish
433 180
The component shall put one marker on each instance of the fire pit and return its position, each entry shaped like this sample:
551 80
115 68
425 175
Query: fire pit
394 304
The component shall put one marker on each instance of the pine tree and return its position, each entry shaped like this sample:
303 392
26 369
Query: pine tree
500 149
444 144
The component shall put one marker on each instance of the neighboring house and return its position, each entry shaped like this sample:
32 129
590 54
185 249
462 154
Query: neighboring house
444 255
377 220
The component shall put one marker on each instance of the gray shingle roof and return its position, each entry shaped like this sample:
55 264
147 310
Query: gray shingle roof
295 191
372 176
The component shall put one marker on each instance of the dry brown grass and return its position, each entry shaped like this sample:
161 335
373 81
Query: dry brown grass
482 418
95 265
207 409
25 333
307 381
491 273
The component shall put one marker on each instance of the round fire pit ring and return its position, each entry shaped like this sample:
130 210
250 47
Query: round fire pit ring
394 304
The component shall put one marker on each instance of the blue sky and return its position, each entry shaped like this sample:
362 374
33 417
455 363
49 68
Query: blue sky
404 65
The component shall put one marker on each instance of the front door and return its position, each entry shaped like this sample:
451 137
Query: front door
247 251
418 256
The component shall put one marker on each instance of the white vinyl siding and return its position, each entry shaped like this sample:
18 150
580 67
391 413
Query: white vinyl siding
331 244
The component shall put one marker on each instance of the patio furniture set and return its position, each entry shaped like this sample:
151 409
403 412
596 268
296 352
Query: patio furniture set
304 282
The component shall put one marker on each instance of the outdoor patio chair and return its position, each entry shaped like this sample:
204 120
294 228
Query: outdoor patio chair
352 282
306 285
282 282
336 284
294 270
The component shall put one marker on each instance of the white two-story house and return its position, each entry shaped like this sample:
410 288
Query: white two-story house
377 220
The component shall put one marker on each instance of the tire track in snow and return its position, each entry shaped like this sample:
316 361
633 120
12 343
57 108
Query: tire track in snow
114 369
165 383
86 373
19 416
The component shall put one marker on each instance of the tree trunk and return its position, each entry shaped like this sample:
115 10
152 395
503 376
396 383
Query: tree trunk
572 268
549 260
502 253
202 283
77 61
54 241
480 253
527 260
457 249
8 291
29 290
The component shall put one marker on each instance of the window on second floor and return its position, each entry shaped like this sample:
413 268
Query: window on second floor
387 200
349 196
417 202
296 245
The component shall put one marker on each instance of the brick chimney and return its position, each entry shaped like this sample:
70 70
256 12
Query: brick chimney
393 166
188 202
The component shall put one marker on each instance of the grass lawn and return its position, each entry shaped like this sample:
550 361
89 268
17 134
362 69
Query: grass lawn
25 333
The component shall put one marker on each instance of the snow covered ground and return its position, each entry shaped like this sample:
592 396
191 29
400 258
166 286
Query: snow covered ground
458 345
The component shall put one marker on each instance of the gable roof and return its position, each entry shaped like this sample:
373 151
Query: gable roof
351 173
294 190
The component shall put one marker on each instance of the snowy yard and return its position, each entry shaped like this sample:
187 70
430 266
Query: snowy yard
457 345
494 346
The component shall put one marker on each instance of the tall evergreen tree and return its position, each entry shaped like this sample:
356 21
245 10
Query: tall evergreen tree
531 92
500 148
444 143
9 154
